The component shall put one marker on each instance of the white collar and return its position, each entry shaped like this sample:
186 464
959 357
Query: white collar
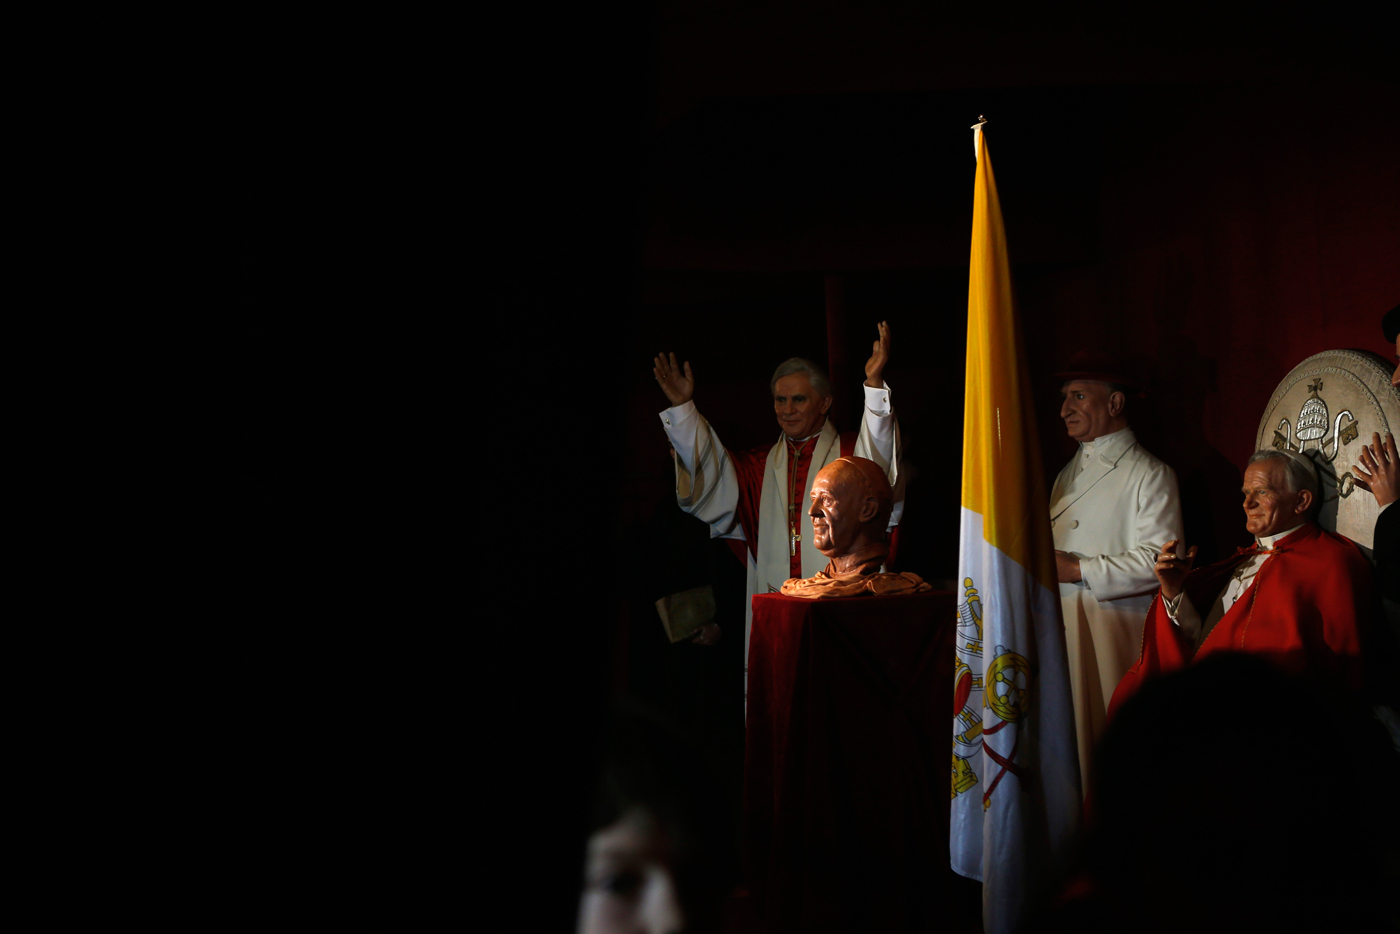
1106 441
806 439
1267 541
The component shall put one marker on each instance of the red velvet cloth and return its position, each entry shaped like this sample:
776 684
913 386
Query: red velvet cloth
1307 611
846 773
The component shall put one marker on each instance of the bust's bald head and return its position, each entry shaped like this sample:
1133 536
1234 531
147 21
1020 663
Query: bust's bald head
851 505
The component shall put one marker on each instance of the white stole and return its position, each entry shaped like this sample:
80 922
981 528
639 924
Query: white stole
772 565
774 558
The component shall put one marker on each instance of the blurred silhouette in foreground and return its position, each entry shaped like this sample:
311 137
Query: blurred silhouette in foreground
662 856
1233 797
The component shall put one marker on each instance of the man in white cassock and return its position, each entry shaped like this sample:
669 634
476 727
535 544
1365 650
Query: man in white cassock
1111 509
758 499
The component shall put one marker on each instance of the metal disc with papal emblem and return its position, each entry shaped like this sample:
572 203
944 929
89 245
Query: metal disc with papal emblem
1327 408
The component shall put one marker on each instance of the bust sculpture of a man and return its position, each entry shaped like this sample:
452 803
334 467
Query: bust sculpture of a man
850 511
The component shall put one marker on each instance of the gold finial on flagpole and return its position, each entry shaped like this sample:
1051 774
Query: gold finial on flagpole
981 121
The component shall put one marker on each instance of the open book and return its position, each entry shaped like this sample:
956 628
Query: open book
684 613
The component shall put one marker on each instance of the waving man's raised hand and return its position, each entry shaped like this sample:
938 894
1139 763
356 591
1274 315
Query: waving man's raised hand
678 386
879 356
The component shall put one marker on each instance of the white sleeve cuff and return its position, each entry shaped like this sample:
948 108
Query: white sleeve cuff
877 400
678 414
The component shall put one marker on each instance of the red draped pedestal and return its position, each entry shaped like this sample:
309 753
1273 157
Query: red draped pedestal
846 777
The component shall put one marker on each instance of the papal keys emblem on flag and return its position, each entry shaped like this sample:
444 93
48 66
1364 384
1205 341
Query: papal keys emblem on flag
1009 675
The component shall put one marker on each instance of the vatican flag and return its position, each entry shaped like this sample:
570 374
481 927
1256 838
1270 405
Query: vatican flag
1016 793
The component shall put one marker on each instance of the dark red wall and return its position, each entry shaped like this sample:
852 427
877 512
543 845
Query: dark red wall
1244 228
1214 233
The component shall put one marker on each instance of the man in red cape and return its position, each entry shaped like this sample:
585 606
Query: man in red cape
1301 596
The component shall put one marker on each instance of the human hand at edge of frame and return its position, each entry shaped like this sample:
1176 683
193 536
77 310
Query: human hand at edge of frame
1378 469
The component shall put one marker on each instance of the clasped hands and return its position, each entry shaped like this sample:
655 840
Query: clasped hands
1067 567
1171 569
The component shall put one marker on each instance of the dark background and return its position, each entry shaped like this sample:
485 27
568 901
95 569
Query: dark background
471 237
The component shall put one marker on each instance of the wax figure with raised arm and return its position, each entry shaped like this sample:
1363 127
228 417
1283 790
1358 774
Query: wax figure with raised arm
759 497
851 505
1300 596
1111 509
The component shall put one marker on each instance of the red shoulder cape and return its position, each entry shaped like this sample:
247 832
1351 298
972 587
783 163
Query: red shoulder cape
1306 612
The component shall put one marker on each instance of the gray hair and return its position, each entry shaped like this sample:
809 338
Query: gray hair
1299 472
798 365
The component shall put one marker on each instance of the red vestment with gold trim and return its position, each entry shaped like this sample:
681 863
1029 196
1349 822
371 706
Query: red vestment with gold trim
1307 611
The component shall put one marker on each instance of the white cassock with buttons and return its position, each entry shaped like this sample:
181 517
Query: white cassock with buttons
1113 506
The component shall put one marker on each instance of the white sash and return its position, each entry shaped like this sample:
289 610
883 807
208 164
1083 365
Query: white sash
773 530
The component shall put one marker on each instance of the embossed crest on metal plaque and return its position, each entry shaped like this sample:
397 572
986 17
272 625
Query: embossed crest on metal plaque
1327 408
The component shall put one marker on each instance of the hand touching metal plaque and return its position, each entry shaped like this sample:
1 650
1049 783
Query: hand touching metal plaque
1328 407
850 512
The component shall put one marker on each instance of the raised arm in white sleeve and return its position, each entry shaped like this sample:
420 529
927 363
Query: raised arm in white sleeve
706 485
1157 521
878 440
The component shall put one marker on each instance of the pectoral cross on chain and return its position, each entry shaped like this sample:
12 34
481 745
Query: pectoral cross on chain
1236 588
795 535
